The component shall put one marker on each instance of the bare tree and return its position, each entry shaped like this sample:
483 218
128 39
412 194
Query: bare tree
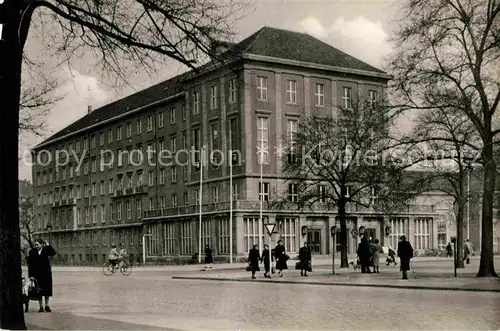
447 58
341 163
27 224
117 33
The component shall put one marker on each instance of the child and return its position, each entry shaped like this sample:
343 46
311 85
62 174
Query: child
25 289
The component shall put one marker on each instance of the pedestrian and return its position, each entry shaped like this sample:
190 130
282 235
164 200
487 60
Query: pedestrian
305 260
467 251
449 250
391 256
253 260
375 250
281 257
266 258
364 255
405 253
209 259
40 269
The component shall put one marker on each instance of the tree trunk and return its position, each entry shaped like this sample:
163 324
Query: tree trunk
486 267
460 233
344 263
11 307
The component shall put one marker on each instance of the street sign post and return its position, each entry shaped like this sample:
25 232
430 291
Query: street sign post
270 229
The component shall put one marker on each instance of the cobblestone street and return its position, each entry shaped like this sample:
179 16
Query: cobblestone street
153 300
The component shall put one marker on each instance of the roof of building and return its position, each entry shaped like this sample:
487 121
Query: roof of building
269 42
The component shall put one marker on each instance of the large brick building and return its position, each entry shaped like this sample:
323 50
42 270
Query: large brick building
278 76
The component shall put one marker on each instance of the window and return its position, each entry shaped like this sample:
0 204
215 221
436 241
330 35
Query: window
101 139
319 93
110 186
251 233
111 212
139 126
322 193
128 206
94 189
347 98
421 233
185 197
264 191
196 194
173 144
214 145
119 211
78 216
213 96
93 141
85 143
103 213
215 194
184 112
373 194
372 100
101 187
150 123
151 178
174 175
291 91
129 130
184 141
196 145
162 177
196 102
236 192
119 133
263 140
151 203
232 90
110 136
262 88
186 238
223 226
398 228
160 120
441 235
94 214
138 207
169 239
293 196
291 132
288 232
174 200
184 173
154 240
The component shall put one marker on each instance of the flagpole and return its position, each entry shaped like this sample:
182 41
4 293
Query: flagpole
200 202
261 186
230 198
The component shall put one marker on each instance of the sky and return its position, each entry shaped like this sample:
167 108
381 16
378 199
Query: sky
360 28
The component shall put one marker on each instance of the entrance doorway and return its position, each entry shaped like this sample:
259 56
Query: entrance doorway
371 233
314 241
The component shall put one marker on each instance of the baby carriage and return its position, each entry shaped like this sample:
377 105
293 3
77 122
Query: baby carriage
391 256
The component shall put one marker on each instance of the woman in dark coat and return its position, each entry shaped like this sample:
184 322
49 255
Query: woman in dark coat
40 269
253 260
266 258
305 259
209 259
364 255
405 253
281 257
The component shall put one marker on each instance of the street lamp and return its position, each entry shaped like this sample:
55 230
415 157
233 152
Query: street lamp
333 231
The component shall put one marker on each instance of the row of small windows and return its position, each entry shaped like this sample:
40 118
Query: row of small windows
319 93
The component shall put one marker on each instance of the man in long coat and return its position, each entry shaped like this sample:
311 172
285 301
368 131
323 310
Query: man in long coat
305 259
405 253
40 269
253 260
364 255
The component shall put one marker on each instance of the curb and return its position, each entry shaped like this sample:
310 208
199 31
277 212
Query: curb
410 287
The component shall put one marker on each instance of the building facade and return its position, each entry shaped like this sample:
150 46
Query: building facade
130 171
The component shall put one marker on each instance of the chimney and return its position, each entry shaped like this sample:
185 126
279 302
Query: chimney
89 109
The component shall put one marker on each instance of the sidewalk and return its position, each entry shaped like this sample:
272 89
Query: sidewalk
223 266
422 277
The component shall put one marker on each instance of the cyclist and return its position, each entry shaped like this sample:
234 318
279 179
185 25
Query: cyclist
123 253
114 257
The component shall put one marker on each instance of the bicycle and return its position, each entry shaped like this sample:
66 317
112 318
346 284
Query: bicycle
125 268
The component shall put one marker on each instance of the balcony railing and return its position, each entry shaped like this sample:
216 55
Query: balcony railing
243 205
64 202
130 191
